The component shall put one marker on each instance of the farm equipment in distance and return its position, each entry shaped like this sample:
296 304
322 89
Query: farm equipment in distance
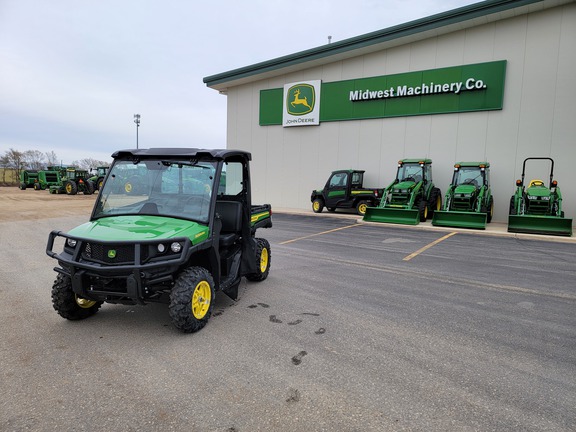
411 198
49 177
468 202
74 181
344 190
27 178
98 178
537 209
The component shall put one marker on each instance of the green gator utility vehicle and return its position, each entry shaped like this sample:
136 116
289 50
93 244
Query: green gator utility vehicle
411 198
537 209
469 202
344 190
171 226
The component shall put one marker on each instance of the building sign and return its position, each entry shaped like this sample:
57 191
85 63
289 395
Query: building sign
301 104
474 87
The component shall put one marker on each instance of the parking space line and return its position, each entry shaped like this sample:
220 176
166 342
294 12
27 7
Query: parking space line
428 246
317 234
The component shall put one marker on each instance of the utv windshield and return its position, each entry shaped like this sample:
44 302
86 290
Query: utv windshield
158 188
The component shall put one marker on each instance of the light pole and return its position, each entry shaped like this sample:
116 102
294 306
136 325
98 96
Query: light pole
137 121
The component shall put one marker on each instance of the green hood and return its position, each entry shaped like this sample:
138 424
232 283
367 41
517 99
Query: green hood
138 228
465 189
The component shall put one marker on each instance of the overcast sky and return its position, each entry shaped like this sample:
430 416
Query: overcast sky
74 72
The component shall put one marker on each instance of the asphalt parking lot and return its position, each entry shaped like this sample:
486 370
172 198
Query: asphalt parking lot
360 327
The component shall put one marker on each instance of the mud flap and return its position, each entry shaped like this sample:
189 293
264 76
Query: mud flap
392 215
460 219
549 225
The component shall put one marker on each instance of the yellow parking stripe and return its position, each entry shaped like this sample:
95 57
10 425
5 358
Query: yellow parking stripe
317 234
428 246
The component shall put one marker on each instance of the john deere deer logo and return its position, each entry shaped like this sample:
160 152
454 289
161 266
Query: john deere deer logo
300 100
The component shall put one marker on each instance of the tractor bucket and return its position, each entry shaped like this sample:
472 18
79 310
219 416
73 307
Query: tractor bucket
550 225
392 215
459 219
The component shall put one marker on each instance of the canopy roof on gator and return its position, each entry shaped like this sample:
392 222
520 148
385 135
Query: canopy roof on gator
182 152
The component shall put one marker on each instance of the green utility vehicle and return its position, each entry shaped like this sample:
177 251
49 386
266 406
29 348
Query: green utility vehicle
73 181
468 202
344 190
27 178
98 178
537 209
411 198
170 225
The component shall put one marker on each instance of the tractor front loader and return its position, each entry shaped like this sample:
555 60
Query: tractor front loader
468 202
537 209
411 198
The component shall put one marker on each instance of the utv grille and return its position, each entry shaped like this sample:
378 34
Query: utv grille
111 254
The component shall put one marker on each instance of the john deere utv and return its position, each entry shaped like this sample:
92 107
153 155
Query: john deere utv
468 202
537 209
411 198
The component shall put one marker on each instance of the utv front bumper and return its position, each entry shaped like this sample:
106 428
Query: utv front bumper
125 272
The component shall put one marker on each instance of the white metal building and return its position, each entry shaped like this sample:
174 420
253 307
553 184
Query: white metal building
532 43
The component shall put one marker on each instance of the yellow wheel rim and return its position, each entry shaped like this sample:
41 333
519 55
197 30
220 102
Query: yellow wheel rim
316 205
438 203
68 188
426 212
128 187
362 208
263 260
201 299
84 303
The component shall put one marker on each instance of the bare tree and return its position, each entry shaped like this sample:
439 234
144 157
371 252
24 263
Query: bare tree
33 159
89 163
51 158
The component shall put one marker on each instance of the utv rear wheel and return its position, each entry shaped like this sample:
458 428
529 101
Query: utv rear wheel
317 205
361 208
191 299
263 256
70 305
71 188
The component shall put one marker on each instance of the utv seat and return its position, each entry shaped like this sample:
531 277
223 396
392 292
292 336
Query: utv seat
149 208
230 214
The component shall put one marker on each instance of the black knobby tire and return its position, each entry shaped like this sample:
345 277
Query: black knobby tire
423 210
68 304
435 202
88 187
512 210
490 210
71 188
22 186
263 256
192 299
317 205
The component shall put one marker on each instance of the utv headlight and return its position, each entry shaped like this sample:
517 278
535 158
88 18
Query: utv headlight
71 242
176 247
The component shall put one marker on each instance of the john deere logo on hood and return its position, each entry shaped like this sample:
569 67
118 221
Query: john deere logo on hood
301 99
111 253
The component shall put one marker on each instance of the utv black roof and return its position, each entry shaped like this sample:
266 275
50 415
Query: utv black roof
182 153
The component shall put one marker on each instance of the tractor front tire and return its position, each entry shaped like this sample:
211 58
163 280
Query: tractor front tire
423 210
435 203
70 305
317 205
192 299
263 256
489 211
71 187
512 210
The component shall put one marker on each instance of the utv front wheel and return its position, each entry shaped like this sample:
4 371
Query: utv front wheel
263 256
70 305
317 205
191 299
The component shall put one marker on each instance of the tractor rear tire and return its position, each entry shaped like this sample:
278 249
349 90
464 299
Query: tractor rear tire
88 188
192 299
317 205
263 256
70 305
423 210
71 188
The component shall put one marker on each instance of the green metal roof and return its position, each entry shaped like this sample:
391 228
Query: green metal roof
345 48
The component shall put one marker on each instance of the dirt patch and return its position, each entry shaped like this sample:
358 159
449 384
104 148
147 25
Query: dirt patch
30 204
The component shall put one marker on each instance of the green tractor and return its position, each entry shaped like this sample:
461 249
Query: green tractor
74 181
98 178
469 202
411 198
537 209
